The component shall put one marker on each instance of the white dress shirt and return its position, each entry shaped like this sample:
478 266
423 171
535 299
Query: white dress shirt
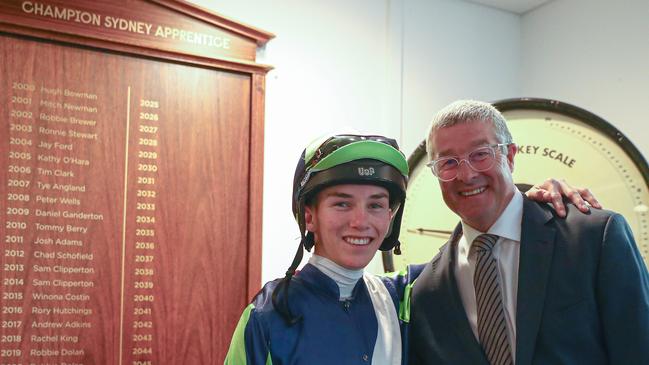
506 252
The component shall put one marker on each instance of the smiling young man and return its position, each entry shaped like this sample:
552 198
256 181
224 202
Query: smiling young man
516 283
348 195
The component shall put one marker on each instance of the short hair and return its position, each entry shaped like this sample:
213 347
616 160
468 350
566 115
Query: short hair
468 111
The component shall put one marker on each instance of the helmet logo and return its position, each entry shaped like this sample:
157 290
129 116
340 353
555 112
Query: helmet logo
366 171
305 179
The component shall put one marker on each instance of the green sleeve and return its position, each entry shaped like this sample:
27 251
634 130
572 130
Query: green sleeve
237 352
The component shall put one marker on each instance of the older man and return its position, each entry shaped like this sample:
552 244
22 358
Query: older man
515 283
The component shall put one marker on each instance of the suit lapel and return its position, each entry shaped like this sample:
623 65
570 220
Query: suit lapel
443 277
537 245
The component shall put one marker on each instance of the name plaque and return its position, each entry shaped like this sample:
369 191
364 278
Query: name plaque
189 31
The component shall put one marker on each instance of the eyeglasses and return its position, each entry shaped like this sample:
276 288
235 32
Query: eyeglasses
481 159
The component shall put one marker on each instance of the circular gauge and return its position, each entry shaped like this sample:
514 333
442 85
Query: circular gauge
554 140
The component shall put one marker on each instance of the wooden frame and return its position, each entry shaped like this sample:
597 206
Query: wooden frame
225 46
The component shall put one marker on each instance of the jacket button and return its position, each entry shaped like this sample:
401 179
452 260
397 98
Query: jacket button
365 357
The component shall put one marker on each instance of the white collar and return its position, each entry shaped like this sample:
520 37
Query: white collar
345 278
508 225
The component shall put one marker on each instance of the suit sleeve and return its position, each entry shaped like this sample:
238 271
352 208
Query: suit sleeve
249 345
623 295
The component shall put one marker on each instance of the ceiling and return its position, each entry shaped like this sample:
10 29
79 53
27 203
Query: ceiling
514 6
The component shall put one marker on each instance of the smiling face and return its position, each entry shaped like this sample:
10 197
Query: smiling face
477 197
349 223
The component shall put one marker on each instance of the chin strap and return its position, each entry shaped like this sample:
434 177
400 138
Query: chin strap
281 304
397 248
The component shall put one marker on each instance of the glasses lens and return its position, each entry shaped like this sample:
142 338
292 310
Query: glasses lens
482 159
445 168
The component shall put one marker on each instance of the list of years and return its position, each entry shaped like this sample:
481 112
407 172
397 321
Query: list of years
48 264
49 267
145 233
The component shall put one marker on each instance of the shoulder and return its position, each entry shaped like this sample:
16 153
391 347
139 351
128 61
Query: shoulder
594 216
263 300
251 337
261 309
598 230
544 212
401 279
600 223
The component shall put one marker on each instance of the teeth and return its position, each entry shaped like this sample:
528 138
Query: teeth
357 241
472 192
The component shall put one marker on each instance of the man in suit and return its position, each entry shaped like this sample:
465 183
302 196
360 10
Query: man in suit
516 283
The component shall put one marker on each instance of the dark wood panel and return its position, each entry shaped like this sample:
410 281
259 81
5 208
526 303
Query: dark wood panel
158 158
93 185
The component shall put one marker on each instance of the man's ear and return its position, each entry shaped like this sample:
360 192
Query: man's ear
308 218
512 149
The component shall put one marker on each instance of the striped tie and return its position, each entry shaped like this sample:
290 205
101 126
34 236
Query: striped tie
492 328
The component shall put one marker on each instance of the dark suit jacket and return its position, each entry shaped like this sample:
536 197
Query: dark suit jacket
583 296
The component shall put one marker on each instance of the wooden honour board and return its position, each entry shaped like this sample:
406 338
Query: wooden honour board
131 189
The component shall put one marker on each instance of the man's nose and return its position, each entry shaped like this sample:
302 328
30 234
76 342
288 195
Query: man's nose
465 172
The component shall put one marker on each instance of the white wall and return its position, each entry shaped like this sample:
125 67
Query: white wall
595 55
330 60
455 50
386 66
339 63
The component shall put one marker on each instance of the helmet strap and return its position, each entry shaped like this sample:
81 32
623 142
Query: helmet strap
397 248
282 288
308 241
299 254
